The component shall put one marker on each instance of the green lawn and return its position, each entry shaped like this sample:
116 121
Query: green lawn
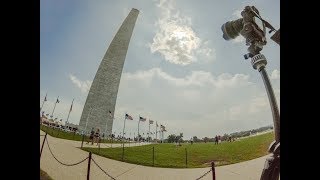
68 135
198 154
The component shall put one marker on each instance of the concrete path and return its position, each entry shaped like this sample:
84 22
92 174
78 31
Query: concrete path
68 152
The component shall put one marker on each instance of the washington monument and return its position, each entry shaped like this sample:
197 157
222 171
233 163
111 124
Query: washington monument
103 92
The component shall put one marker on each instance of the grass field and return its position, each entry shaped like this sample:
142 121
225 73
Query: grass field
198 154
68 135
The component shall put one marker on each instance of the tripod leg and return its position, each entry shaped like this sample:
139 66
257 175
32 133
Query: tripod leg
271 170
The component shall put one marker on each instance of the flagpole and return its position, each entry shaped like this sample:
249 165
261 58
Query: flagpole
69 111
105 131
85 129
124 126
156 131
45 98
54 106
138 129
149 131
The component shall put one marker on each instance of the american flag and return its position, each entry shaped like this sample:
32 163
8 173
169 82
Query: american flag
128 117
142 119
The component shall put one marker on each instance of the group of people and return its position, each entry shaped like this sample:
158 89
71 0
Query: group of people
94 136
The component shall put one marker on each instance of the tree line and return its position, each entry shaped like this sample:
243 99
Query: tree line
172 138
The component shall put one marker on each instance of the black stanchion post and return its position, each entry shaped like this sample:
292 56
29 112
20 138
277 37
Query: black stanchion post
99 146
122 151
213 171
89 161
153 156
44 139
82 140
186 157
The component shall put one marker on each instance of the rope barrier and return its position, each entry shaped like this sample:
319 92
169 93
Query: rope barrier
204 174
62 162
102 169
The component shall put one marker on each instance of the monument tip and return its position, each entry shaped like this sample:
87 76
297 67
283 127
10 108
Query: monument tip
134 9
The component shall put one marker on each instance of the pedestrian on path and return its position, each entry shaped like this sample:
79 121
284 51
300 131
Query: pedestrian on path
97 136
91 136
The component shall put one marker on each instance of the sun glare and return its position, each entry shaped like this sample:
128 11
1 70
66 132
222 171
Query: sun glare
179 34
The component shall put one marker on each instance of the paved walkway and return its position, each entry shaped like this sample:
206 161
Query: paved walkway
68 152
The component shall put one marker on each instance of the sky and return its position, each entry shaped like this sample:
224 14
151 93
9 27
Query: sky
178 71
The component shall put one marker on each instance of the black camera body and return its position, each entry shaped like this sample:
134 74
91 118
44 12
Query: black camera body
250 28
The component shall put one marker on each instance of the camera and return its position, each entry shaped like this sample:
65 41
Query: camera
252 27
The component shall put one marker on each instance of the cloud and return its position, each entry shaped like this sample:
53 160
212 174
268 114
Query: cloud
275 74
200 100
175 39
84 86
195 79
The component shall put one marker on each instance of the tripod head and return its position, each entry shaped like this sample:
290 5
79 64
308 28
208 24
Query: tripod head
253 28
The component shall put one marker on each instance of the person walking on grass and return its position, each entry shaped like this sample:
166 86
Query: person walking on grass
216 140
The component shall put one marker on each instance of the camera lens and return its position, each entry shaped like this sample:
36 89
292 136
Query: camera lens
231 29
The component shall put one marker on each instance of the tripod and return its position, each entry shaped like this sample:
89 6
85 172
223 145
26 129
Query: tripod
271 170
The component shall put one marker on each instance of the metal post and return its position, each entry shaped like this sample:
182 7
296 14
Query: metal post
138 129
85 129
69 111
122 152
45 99
124 126
186 157
99 145
213 171
259 62
111 140
82 140
153 156
54 107
45 137
273 104
149 131
89 162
